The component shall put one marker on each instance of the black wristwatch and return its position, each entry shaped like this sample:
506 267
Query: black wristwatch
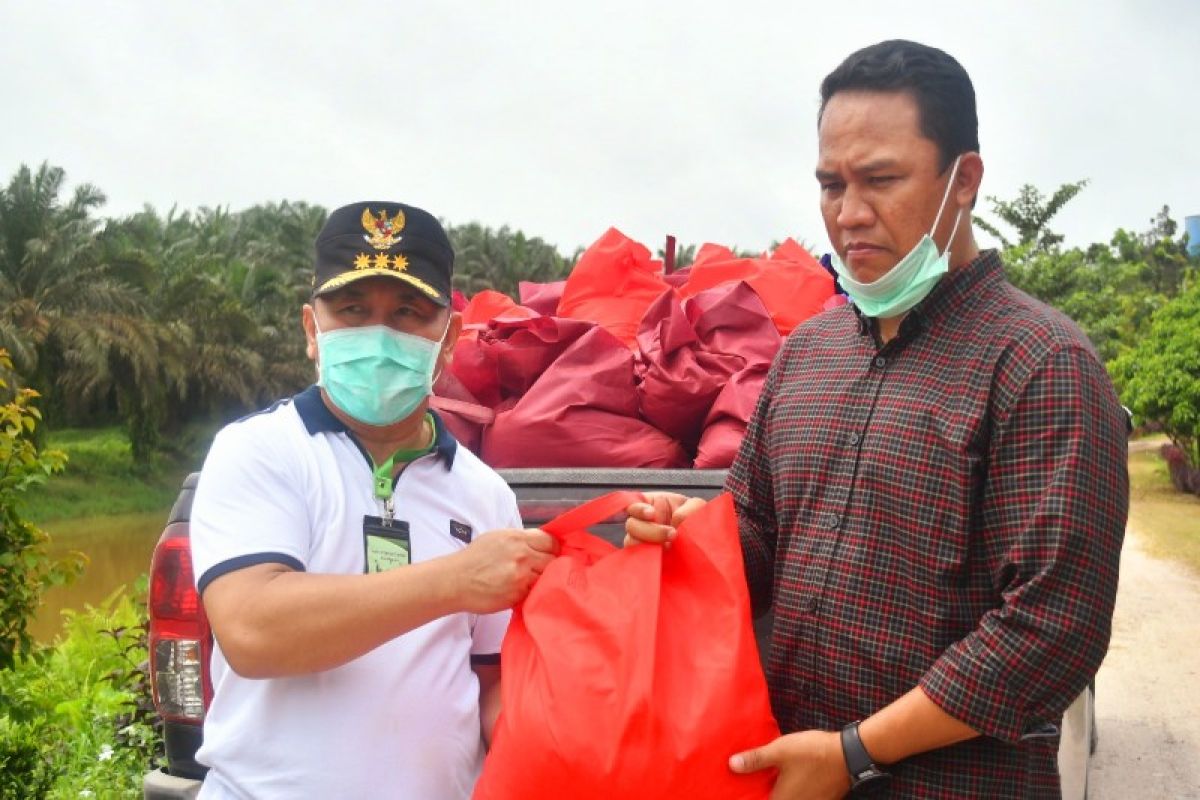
864 772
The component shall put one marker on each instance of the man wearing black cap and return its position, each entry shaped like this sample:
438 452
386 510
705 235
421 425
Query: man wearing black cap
337 538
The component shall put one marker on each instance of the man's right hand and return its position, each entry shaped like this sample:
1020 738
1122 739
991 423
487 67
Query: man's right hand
655 521
499 568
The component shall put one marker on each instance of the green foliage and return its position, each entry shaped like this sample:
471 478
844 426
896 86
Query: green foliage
26 570
84 704
25 770
1159 377
1030 214
1112 290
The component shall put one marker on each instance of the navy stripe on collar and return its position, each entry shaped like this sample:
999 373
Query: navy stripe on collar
318 418
444 442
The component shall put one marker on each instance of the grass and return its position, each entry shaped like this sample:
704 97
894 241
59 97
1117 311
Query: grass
101 478
1167 521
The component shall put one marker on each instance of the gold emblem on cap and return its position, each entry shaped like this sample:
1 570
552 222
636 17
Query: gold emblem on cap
380 261
382 232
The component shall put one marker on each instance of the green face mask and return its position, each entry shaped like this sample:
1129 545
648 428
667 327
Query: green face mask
375 374
913 277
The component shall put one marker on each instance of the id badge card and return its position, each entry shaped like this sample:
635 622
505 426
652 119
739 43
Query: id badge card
386 544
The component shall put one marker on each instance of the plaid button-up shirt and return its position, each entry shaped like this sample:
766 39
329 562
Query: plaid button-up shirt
947 511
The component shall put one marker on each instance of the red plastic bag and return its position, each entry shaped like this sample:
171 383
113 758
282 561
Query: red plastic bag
792 284
581 412
613 283
632 674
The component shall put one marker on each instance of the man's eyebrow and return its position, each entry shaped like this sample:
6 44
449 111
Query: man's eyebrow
878 165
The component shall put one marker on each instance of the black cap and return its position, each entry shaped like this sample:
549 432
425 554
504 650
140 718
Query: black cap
363 240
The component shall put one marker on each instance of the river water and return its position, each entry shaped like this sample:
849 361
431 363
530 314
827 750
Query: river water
118 548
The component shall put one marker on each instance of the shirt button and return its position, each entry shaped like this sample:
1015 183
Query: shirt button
832 521
808 604
880 362
855 438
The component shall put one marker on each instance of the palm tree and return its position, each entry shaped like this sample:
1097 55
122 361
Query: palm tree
75 327
501 259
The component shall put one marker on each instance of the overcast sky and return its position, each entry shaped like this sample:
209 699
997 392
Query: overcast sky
563 118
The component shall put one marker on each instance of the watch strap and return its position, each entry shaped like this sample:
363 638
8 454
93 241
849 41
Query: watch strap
863 770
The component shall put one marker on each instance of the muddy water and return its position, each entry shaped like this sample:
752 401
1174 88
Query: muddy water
118 548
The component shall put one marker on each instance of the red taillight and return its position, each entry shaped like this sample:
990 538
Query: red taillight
180 639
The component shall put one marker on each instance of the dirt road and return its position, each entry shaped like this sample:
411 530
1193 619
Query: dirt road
1148 690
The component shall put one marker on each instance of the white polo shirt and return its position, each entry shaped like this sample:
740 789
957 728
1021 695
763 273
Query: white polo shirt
290 485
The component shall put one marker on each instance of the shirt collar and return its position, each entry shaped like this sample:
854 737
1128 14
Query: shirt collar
317 418
948 297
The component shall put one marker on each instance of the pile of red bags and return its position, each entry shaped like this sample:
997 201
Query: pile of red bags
621 365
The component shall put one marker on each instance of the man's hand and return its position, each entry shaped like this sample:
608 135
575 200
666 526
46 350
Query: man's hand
810 764
499 568
655 521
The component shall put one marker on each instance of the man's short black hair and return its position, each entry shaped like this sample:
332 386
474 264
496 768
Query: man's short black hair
940 86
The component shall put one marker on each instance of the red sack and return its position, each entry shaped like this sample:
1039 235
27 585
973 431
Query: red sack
725 427
632 674
689 351
581 412
489 305
499 361
541 297
792 284
613 284
463 414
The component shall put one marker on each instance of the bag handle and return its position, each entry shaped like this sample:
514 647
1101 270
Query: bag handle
592 512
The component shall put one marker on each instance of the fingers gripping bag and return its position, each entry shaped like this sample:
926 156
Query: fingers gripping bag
632 673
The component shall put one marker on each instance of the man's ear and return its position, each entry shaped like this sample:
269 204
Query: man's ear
308 321
453 331
968 180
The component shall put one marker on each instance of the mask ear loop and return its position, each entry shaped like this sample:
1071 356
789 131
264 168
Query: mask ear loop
317 360
942 207
441 366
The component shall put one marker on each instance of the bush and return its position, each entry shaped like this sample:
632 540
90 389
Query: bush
85 704
24 769
1159 378
26 570
1184 477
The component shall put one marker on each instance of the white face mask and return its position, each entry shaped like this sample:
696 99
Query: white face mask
913 277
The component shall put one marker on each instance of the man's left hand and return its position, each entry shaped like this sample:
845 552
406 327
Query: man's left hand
810 764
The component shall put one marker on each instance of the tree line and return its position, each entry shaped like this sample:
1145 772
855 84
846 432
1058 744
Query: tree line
156 320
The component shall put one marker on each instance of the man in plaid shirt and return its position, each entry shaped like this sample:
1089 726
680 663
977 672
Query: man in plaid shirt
932 493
